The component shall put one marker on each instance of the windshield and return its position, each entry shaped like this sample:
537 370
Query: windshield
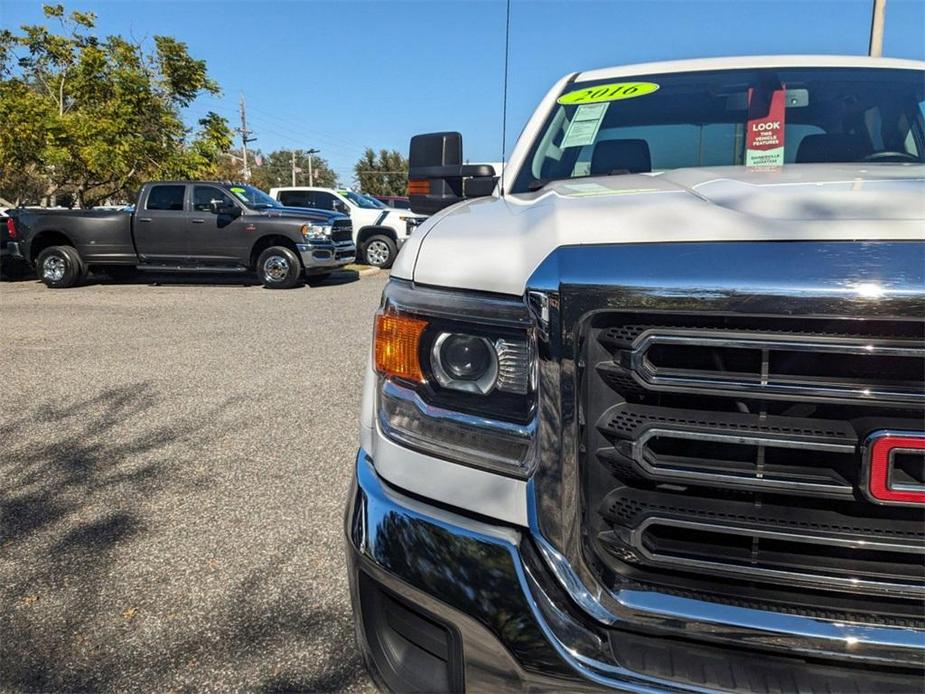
362 200
757 117
253 197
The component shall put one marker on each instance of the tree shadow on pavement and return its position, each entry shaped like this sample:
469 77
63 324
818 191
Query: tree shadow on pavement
95 595
74 477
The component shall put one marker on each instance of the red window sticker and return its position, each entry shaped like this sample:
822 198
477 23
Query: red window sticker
764 139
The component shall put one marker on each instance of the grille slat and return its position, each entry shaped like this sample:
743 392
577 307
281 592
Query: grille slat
776 365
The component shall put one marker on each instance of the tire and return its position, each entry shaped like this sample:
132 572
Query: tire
60 267
279 268
379 251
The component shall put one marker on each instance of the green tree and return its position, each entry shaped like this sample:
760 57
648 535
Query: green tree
96 116
382 174
276 170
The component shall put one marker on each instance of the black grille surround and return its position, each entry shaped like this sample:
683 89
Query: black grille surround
721 457
341 230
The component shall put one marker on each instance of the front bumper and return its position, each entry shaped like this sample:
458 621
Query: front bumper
443 601
321 256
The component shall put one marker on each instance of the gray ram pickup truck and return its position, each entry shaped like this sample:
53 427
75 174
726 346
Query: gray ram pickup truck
188 226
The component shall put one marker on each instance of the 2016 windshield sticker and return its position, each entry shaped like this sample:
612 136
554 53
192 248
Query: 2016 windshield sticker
240 192
608 92
584 126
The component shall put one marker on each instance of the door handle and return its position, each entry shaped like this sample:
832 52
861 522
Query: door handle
144 219
199 221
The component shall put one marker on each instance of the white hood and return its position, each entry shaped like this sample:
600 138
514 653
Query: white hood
495 244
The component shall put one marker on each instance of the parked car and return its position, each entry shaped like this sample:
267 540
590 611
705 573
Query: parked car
378 231
650 416
11 266
188 226
399 202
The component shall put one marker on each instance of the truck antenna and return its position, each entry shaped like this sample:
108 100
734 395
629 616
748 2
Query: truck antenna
507 44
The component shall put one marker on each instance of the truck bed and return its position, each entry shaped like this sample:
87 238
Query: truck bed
100 236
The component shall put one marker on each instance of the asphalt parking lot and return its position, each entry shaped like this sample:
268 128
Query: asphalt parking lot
175 460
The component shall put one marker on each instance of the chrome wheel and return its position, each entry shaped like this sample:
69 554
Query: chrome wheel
53 268
275 268
377 253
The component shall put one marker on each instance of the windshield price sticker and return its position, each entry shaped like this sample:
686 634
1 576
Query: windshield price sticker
764 139
608 92
584 126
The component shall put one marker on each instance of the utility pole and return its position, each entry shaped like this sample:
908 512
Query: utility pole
293 168
245 138
311 175
877 22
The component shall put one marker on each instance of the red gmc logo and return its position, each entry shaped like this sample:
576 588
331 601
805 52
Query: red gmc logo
894 463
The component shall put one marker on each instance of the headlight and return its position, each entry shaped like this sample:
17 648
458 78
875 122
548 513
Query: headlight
457 376
315 232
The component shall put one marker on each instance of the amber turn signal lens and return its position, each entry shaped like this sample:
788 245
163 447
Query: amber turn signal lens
419 187
397 341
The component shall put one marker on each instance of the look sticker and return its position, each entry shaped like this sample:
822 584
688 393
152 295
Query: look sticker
608 92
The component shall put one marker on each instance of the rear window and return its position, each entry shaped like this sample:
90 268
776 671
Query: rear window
295 198
653 123
166 197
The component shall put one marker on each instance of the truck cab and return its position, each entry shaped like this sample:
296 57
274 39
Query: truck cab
645 409
379 231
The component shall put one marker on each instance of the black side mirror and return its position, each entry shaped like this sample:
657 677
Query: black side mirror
437 178
218 207
341 207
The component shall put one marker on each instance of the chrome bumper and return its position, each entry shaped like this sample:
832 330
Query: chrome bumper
11 248
323 255
519 629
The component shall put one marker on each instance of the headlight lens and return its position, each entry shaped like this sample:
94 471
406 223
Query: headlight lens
316 232
464 362
456 376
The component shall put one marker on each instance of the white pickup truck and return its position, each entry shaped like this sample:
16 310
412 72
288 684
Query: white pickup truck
378 230
646 412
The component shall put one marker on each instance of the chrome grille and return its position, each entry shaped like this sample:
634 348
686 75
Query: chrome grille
725 453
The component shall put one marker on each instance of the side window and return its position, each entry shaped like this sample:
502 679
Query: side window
166 198
325 201
295 198
204 195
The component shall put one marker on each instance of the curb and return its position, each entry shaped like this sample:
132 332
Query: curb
362 270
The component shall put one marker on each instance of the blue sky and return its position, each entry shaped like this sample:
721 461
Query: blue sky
341 75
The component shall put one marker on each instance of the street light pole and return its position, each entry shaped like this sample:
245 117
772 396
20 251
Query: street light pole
311 175
293 168
877 22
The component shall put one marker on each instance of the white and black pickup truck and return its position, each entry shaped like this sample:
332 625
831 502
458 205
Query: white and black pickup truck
646 411
378 230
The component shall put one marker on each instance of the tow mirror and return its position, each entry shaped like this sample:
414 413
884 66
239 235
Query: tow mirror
217 207
437 177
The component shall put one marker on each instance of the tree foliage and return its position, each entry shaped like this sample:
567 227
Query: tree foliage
382 174
95 116
276 170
